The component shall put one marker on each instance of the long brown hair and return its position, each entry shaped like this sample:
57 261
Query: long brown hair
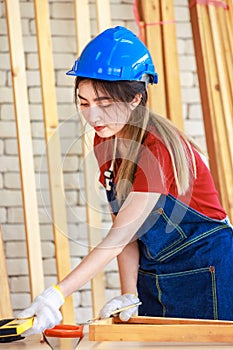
177 144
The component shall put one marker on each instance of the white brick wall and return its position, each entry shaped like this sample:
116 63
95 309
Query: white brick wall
11 212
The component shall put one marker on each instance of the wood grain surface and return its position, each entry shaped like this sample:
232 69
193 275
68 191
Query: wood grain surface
33 343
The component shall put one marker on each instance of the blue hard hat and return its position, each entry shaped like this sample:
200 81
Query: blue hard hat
115 54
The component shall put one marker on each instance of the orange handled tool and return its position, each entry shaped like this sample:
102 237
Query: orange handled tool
65 331
75 331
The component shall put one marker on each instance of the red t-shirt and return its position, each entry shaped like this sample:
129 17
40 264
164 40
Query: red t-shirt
154 173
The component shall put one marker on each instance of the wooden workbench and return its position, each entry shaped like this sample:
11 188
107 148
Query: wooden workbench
33 343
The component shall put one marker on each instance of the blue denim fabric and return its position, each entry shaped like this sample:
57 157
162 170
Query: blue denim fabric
186 263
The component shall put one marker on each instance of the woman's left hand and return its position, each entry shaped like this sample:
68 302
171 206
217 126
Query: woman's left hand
118 303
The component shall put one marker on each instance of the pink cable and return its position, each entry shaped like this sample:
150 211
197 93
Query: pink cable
216 3
140 25
137 18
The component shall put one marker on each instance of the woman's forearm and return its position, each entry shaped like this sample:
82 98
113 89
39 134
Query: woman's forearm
130 218
94 262
128 261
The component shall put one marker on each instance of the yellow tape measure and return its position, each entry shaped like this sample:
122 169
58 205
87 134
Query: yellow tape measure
15 327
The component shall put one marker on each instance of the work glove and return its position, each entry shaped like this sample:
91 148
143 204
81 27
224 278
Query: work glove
118 303
45 310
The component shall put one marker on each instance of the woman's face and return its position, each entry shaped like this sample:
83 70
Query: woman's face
105 115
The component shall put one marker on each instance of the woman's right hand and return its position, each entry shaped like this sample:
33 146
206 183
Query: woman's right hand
45 310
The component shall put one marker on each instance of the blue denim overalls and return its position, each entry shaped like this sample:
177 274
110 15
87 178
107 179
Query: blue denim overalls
186 262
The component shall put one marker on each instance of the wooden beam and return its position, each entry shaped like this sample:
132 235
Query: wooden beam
59 219
5 300
93 209
82 20
150 12
159 21
229 21
223 73
213 113
226 33
145 331
25 149
171 320
103 15
171 66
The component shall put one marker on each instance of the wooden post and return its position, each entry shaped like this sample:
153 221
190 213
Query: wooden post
161 329
82 20
93 219
165 98
151 14
226 40
220 152
92 199
103 14
53 149
25 147
5 300
223 72
171 66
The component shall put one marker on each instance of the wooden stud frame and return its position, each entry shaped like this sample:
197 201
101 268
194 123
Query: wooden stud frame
82 20
103 14
93 210
53 149
25 149
151 13
161 329
215 105
5 300
171 66
160 32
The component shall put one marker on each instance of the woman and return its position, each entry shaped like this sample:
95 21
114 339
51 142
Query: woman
171 236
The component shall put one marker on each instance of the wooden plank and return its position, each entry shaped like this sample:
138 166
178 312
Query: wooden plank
25 150
107 330
171 320
33 343
198 29
163 333
5 300
150 14
111 345
82 20
226 33
171 66
93 209
53 149
223 72
223 160
216 135
211 128
103 14
229 25
229 21
215 128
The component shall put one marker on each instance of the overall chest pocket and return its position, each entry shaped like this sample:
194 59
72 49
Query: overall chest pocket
159 235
